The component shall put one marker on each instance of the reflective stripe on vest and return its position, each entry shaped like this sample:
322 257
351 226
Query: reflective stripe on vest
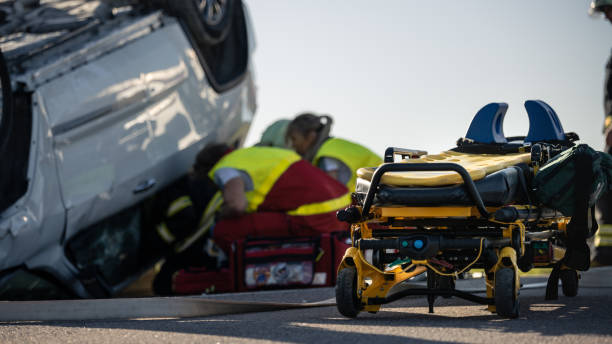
206 222
351 154
208 217
603 237
177 205
263 164
164 233
322 207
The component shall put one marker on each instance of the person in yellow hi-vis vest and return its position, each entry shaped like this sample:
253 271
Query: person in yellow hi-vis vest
262 191
603 237
308 134
270 191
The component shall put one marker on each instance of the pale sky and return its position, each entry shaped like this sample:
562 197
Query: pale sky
412 74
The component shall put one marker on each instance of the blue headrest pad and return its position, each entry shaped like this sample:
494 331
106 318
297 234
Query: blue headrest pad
488 124
544 124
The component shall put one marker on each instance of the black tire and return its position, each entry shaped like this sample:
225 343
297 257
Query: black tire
346 293
569 282
223 47
506 302
205 29
217 17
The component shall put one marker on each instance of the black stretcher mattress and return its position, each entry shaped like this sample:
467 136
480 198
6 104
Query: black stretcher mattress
497 189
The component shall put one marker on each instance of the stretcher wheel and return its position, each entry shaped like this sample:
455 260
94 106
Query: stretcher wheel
346 293
569 282
506 301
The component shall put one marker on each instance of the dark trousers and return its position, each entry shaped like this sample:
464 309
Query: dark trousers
603 237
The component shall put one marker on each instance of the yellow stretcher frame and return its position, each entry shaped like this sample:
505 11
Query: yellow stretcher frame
373 284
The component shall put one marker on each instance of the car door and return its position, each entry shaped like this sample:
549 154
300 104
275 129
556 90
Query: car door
100 118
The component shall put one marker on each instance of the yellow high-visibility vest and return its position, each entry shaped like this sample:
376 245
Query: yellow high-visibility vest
603 237
351 154
265 165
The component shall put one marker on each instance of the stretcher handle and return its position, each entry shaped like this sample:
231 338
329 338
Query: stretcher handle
392 151
392 167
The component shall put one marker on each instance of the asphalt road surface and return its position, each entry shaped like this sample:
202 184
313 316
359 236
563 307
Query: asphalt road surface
586 318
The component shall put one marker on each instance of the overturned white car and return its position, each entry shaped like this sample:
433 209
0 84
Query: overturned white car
103 104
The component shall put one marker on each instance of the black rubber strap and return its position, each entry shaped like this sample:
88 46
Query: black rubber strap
552 287
523 183
577 255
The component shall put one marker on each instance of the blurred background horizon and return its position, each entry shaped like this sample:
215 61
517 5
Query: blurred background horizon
413 74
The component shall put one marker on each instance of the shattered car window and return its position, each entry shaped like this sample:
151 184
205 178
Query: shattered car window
110 248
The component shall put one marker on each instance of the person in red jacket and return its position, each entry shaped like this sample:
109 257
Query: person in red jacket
262 192
269 191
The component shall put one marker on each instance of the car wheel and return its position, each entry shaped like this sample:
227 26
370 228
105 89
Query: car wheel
209 21
216 15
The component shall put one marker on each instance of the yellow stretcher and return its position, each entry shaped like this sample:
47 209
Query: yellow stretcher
445 214
477 166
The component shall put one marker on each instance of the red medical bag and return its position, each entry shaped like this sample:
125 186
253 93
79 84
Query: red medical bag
270 263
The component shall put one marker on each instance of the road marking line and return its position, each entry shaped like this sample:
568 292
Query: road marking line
137 308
